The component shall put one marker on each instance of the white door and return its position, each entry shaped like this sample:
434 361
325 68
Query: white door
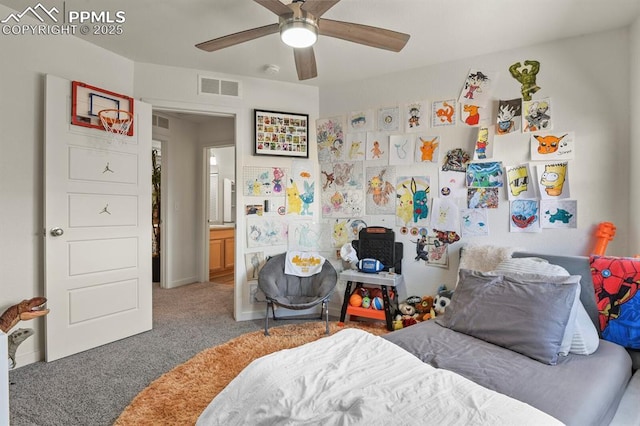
98 194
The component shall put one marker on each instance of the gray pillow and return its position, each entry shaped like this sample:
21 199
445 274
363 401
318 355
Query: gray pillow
512 313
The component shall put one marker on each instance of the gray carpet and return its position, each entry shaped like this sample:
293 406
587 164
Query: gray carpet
94 387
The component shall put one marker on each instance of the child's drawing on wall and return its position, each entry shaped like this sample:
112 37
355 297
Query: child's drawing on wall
401 149
389 119
474 223
526 74
342 175
305 235
558 213
456 160
484 175
264 181
377 147
427 149
536 115
443 113
553 180
520 182
524 216
412 200
301 189
263 232
254 262
452 184
380 190
345 203
477 88
471 115
330 139
552 146
356 144
509 116
484 143
482 198
445 215
361 121
341 233
416 116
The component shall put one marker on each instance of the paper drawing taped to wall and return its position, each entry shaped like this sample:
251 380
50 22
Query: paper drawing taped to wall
443 113
474 223
412 200
361 121
380 190
484 143
342 203
356 145
526 75
264 181
508 119
536 116
553 180
263 232
558 213
330 138
389 119
378 147
445 215
452 184
471 115
477 88
482 198
301 189
254 262
552 146
342 176
401 149
427 148
520 182
306 235
416 116
484 175
524 216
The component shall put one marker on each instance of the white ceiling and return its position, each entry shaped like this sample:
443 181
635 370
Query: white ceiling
165 32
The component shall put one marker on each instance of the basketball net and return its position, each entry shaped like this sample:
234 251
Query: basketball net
117 123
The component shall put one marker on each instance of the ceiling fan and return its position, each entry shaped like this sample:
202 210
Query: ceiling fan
299 26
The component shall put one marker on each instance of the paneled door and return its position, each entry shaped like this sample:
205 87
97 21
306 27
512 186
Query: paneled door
97 229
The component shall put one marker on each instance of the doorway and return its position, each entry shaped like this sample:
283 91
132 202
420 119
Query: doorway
185 249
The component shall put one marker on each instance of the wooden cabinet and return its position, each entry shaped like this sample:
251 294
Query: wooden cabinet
221 252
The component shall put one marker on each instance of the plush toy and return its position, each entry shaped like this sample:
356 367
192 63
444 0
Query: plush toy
406 309
424 308
442 300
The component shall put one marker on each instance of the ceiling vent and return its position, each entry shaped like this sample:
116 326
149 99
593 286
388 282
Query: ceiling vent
216 86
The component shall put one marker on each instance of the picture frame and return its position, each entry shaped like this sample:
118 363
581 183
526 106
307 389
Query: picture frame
284 134
87 101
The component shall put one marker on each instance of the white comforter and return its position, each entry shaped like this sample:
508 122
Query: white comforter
354 377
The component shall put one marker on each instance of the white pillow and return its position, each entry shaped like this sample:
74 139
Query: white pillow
581 336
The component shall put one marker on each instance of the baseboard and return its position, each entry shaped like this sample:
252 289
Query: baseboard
183 281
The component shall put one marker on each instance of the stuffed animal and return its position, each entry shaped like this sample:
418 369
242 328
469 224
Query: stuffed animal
442 300
406 309
424 308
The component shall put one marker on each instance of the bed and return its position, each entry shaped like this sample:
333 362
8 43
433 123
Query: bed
434 371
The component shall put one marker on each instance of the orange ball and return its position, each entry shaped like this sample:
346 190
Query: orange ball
355 300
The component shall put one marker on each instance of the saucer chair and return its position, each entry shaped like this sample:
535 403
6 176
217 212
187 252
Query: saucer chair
294 292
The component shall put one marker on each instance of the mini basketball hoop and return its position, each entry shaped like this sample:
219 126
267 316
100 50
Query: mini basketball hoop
117 122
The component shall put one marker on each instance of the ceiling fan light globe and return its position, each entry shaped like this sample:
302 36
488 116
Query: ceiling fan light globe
299 34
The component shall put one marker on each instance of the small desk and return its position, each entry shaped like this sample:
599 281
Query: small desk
382 279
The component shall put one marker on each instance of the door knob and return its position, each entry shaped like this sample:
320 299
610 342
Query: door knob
56 232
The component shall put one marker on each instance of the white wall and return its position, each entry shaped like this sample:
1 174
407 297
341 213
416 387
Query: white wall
587 79
176 88
26 59
634 111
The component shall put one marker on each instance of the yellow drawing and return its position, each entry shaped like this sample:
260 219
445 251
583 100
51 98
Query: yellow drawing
294 203
340 234
354 151
256 187
404 209
518 180
553 178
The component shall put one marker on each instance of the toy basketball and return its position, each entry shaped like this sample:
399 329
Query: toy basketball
376 303
366 302
355 300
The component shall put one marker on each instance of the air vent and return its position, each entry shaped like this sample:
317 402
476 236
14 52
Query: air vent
159 121
215 86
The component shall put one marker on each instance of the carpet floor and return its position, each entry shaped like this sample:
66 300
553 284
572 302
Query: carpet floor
179 396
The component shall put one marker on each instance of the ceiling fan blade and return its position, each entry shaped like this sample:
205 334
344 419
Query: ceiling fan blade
318 7
305 63
275 6
237 38
364 34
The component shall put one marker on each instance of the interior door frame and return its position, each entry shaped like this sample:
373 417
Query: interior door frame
239 115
